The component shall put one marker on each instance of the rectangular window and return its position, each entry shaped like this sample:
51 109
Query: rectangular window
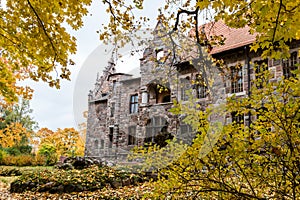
111 135
112 109
132 135
102 144
201 87
114 85
184 88
237 118
260 67
154 128
290 65
134 103
236 79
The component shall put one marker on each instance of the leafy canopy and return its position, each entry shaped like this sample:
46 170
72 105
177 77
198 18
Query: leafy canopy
35 44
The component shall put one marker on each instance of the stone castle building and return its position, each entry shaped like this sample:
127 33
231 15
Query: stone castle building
125 111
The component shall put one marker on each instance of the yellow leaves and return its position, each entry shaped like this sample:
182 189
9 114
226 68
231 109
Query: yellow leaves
66 141
33 40
202 4
12 135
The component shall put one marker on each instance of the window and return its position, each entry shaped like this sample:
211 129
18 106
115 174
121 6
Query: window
236 79
132 135
114 85
110 136
160 56
187 134
159 93
134 103
112 109
289 65
184 88
156 126
102 144
260 67
237 118
96 144
201 87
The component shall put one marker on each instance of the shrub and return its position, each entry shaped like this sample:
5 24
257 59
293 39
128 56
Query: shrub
39 160
12 151
25 149
23 160
2 155
49 151
88 179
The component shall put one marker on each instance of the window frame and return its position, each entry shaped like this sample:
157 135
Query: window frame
201 88
131 140
260 67
237 118
154 128
289 65
134 104
237 79
185 85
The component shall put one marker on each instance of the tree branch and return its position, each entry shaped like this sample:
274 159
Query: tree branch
44 30
277 21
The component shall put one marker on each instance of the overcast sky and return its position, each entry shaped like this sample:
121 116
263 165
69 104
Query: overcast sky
54 108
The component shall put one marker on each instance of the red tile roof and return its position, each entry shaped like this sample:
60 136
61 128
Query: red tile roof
234 37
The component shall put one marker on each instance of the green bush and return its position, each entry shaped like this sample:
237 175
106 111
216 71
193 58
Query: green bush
12 151
25 149
49 152
2 155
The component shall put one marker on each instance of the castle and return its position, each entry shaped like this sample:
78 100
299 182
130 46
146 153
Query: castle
126 111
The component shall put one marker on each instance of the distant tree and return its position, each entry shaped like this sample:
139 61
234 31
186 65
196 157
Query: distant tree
66 142
18 112
17 127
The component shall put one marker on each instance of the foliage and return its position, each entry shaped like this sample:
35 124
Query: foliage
88 179
2 154
16 127
18 112
13 135
128 192
34 42
49 151
259 161
63 142
274 22
23 160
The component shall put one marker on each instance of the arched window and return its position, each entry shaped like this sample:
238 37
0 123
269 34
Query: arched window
159 93
96 144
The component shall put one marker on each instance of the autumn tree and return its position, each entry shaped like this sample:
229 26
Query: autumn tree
63 142
258 161
19 112
17 126
35 44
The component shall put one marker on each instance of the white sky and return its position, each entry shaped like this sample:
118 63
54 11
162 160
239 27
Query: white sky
54 108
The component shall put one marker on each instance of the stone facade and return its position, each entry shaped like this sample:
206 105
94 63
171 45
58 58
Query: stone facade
124 111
